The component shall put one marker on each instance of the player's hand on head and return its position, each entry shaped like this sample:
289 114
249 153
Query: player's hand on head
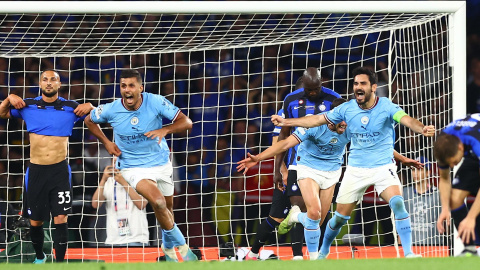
428 131
83 109
16 101
277 120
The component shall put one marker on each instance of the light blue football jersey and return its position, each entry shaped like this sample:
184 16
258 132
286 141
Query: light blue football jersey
372 131
129 128
321 148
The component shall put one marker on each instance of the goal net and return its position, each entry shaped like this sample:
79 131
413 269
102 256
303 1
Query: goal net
229 72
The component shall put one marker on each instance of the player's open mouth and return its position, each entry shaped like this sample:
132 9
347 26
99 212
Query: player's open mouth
129 98
360 94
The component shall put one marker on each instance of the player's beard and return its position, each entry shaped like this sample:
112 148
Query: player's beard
49 94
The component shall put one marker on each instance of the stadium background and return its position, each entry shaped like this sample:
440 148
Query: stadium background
176 78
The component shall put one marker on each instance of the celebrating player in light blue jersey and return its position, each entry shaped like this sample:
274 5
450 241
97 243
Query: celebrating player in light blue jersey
319 161
371 123
143 154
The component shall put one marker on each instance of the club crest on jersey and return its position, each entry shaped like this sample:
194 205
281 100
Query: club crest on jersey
300 102
134 120
364 120
322 107
333 140
294 187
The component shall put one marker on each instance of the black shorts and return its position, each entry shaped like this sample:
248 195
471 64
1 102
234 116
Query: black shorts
280 204
292 187
467 177
47 190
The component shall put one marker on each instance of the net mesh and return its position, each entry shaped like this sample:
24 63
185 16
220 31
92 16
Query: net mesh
228 73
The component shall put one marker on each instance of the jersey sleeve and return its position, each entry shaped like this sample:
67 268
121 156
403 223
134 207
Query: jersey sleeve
165 108
336 115
101 113
302 134
393 109
15 113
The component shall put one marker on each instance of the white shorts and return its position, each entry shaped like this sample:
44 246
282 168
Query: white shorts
162 175
356 181
324 179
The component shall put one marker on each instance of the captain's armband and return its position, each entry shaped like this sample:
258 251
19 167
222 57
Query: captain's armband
398 115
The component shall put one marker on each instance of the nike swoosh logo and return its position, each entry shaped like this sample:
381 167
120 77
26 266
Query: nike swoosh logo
65 209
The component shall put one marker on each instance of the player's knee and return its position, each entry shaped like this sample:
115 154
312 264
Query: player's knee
160 204
338 220
311 224
314 213
398 207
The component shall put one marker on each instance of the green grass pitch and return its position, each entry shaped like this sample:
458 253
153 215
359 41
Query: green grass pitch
449 263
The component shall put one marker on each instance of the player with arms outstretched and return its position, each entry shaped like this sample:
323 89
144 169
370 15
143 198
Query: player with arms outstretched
320 156
370 120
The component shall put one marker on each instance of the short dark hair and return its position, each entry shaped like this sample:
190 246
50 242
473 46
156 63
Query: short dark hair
336 102
131 73
372 77
50 69
446 146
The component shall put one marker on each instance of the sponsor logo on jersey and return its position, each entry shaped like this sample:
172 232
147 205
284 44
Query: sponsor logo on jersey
465 123
364 120
134 120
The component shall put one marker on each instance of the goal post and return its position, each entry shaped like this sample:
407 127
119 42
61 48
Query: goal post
228 66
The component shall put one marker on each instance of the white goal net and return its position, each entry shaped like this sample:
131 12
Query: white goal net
228 72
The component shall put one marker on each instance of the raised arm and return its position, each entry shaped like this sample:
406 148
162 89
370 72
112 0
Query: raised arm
417 126
273 150
12 100
83 109
306 121
111 147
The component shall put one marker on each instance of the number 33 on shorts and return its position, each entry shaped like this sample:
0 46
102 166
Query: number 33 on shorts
64 197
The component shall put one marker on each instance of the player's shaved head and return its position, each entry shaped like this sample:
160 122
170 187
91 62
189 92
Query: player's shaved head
312 83
312 76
